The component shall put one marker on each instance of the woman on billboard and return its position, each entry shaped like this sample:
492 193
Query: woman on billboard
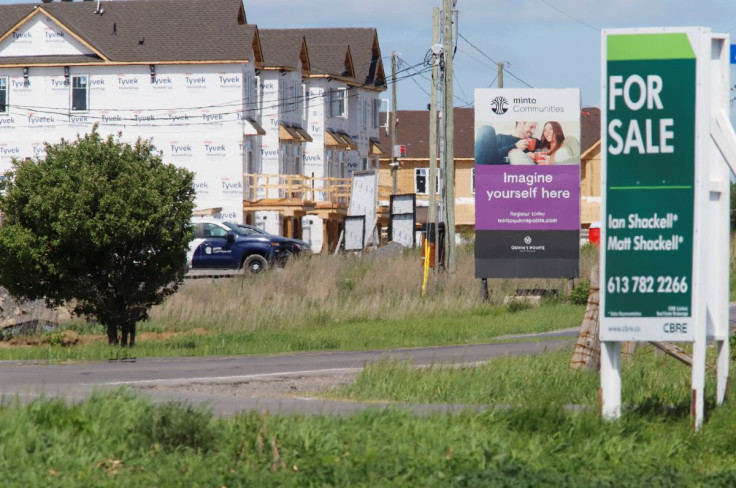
558 148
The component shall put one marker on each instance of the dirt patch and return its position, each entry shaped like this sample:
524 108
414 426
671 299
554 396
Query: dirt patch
270 387
71 338
163 336
200 331
155 336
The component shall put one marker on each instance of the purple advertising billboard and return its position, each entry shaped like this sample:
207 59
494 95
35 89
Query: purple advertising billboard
527 183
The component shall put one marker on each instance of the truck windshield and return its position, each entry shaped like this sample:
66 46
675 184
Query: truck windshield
235 229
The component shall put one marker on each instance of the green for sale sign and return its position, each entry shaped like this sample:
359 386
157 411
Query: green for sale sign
648 187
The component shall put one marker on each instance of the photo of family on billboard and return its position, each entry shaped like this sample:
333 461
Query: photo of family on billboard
528 143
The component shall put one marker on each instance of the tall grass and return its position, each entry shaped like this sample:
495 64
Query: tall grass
340 289
651 380
119 440
330 302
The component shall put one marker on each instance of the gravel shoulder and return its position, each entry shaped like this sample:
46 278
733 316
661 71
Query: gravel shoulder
266 387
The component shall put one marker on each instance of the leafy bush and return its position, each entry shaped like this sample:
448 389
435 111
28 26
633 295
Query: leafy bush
580 292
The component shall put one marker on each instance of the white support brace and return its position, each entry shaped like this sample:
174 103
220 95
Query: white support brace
724 136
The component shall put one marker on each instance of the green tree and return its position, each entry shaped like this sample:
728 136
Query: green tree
100 225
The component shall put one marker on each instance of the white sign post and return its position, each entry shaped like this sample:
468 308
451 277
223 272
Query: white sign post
665 187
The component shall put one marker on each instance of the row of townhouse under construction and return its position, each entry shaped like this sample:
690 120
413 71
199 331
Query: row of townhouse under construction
272 121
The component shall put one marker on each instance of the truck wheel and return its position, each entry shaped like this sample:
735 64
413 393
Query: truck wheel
254 264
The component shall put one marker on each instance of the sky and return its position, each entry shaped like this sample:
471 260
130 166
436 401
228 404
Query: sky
542 43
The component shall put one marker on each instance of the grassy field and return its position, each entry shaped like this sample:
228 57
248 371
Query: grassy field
324 303
528 439
542 428
651 380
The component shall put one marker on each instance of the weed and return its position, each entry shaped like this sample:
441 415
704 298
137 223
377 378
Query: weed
518 304
174 426
580 292
56 338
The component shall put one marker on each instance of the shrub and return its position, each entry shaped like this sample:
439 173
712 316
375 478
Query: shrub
580 292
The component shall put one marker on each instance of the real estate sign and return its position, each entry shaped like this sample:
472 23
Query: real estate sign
527 183
649 185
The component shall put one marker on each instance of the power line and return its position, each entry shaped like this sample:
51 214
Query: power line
506 70
180 116
275 102
476 59
287 105
597 29
492 60
457 82
477 48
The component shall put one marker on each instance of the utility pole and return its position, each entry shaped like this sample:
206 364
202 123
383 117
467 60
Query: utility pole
448 109
394 163
432 204
484 281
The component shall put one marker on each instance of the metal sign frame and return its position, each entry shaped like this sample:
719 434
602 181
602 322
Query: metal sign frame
354 232
705 316
403 219
364 200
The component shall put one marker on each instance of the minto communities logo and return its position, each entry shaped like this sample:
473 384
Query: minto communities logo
529 106
499 105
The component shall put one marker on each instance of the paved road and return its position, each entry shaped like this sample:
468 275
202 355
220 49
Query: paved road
206 380
201 380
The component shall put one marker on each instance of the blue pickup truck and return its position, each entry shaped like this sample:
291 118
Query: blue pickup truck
224 245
